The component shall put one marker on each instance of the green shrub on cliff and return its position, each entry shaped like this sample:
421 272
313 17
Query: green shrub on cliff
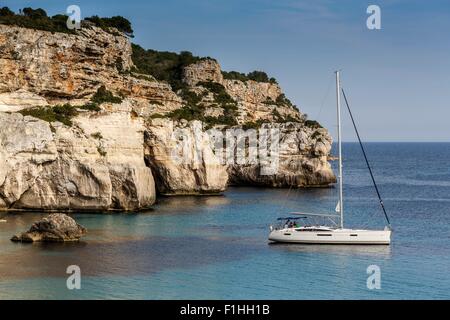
191 98
90 106
223 100
102 95
283 100
277 117
313 124
290 118
196 112
234 75
258 76
221 96
97 135
6 12
101 151
62 113
163 65
189 113
34 13
118 22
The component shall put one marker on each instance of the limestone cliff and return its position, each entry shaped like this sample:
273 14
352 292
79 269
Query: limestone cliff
62 68
303 160
304 145
105 157
97 164
182 159
263 101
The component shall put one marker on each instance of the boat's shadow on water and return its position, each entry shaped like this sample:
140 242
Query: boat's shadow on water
380 251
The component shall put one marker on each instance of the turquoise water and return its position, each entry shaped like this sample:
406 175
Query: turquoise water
216 247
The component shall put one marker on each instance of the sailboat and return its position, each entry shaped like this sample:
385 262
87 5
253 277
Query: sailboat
290 230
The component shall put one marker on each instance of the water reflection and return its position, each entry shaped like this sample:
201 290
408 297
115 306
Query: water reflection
126 258
188 204
381 251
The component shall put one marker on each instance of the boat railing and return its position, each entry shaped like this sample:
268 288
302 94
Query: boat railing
302 220
320 218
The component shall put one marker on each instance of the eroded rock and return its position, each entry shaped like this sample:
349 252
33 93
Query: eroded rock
56 227
303 160
66 68
182 159
97 164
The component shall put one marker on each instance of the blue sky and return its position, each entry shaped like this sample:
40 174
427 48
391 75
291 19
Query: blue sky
397 78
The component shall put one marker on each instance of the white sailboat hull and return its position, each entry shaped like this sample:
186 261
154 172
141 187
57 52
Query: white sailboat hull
334 236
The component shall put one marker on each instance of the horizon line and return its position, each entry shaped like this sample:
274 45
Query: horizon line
356 141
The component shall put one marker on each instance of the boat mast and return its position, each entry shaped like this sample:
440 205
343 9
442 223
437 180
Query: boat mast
338 101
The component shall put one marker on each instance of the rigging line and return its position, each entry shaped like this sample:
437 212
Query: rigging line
283 206
327 93
367 161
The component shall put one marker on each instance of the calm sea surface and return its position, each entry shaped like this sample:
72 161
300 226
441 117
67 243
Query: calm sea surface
216 247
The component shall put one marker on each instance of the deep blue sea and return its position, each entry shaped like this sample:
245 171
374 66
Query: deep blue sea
216 247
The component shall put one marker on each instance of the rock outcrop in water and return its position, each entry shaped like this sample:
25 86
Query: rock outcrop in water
56 227
107 158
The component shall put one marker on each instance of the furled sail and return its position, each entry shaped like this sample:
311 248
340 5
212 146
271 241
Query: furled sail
338 207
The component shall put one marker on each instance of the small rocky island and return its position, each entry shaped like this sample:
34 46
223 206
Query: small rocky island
88 121
56 227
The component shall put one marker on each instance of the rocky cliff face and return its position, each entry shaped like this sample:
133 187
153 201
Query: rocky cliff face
106 160
255 100
97 164
302 161
303 147
182 158
62 68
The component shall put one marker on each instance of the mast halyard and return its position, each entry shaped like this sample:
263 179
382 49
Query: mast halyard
338 101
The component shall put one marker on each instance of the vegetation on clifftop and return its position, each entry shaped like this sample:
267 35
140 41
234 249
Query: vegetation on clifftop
118 22
39 20
163 65
313 124
35 19
258 76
